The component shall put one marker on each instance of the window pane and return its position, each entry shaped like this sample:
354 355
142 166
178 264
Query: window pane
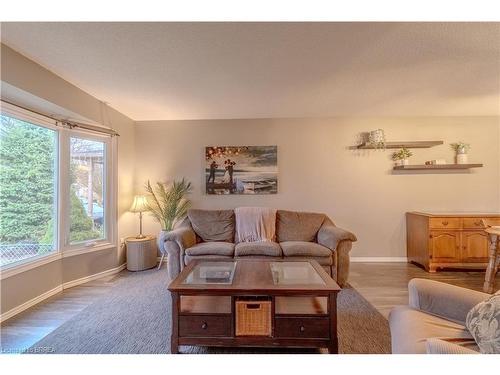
87 190
27 190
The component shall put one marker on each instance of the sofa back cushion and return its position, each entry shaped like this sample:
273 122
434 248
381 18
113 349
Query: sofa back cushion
298 226
213 225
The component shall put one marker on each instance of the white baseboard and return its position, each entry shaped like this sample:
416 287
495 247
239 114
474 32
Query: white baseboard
379 259
95 276
26 305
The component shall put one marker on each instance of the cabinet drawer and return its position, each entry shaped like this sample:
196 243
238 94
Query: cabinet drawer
204 326
476 222
444 223
318 328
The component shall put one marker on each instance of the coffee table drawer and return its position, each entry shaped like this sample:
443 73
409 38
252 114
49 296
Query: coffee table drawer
204 326
318 328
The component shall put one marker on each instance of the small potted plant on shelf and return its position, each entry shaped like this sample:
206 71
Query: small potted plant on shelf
402 156
461 150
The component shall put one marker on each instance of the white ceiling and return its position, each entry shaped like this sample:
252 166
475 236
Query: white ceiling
164 71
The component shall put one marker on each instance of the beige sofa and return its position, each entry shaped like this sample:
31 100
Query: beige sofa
434 320
210 234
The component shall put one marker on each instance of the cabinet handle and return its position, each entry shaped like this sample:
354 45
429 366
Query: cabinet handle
204 325
445 223
302 329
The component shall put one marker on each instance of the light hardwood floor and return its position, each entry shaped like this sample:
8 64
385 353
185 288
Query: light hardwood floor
384 285
28 327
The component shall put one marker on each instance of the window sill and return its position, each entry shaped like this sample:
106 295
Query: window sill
29 264
86 250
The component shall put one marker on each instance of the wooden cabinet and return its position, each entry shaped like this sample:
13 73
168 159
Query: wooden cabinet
474 246
447 241
443 246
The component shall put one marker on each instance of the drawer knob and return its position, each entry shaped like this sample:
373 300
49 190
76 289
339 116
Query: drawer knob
445 223
204 325
302 329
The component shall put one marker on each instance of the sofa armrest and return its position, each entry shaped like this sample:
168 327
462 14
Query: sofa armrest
340 242
330 236
173 244
184 237
447 301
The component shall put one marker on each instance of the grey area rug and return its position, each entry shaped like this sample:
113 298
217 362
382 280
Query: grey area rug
134 317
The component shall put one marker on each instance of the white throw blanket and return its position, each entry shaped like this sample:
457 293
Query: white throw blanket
255 224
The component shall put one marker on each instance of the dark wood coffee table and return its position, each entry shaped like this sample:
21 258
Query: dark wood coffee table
303 304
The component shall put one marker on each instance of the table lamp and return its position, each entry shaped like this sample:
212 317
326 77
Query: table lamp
140 205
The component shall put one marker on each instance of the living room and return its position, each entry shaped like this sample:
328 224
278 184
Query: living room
250 187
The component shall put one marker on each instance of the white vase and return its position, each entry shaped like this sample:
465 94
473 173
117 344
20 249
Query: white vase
406 161
377 138
462 159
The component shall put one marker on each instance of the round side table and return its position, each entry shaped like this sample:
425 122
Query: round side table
141 253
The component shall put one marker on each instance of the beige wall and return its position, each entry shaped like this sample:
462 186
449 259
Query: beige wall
318 172
34 83
25 286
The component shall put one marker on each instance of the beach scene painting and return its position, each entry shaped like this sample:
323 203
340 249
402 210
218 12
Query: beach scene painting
241 169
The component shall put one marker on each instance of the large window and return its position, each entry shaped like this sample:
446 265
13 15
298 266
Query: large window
54 188
28 190
87 162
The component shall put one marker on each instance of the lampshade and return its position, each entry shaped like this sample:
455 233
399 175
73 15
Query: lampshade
140 204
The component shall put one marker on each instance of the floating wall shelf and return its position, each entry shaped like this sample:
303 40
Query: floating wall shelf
411 144
435 166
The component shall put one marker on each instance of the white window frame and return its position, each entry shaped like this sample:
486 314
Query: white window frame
108 239
62 247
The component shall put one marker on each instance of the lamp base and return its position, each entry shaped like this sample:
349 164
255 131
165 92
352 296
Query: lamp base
140 236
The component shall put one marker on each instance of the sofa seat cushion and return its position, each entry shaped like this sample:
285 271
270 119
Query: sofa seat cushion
297 226
213 225
304 249
211 248
411 328
267 248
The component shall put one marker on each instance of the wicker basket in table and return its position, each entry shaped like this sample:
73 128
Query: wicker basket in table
253 318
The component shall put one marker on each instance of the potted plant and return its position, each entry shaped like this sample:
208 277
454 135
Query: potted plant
401 157
461 150
168 205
